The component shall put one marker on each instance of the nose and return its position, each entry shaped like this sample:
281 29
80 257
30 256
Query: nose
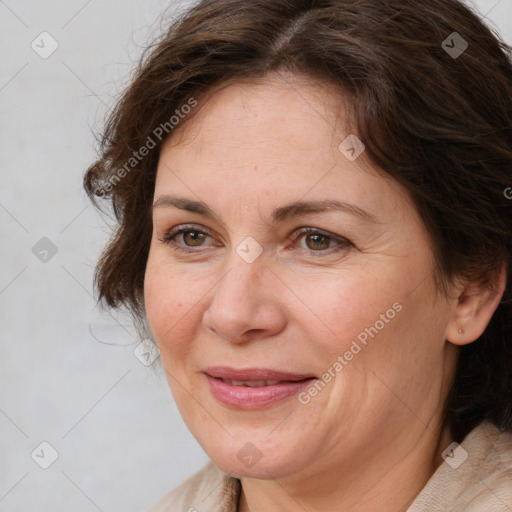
246 303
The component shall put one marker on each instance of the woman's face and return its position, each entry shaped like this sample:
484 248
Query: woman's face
290 291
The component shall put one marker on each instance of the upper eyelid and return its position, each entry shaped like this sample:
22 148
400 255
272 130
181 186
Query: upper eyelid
205 230
297 232
188 227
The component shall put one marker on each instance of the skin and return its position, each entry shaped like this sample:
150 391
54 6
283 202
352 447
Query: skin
373 436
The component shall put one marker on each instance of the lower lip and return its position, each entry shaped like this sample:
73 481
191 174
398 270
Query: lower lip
245 397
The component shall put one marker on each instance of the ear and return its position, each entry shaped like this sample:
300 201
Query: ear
473 308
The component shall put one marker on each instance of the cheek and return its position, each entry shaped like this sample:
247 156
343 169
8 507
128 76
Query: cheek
169 304
398 329
347 302
373 313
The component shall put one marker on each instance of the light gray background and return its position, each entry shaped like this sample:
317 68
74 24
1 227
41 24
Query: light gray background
68 373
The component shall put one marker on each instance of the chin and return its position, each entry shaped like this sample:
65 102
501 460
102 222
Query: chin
253 459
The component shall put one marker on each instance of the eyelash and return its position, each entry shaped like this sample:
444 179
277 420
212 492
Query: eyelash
169 239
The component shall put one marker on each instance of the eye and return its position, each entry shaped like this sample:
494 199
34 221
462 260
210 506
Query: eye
319 241
193 238
185 236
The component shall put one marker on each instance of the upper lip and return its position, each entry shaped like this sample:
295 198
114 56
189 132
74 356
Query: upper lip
252 374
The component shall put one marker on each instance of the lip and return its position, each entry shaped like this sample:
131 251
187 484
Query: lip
250 398
225 372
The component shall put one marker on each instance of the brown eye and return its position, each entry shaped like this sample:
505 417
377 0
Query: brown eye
193 238
186 238
318 242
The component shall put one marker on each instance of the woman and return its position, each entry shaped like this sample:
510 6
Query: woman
314 228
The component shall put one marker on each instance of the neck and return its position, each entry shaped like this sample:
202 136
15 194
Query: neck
361 487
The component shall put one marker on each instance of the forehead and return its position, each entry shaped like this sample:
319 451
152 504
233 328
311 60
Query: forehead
276 109
268 139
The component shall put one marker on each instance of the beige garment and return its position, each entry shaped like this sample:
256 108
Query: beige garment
481 483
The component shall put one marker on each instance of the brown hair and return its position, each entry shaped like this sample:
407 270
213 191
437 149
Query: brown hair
430 88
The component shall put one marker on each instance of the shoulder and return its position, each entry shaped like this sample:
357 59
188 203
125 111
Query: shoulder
477 476
490 485
208 490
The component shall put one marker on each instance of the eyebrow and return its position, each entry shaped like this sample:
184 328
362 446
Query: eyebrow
294 209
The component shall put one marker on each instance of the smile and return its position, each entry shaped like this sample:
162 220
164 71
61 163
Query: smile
253 388
251 383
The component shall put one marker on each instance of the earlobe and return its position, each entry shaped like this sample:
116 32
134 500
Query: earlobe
474 307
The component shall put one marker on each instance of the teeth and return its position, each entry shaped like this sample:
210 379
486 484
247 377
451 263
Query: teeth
251 383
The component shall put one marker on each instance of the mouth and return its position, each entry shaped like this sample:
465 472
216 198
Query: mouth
251 383
253 388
